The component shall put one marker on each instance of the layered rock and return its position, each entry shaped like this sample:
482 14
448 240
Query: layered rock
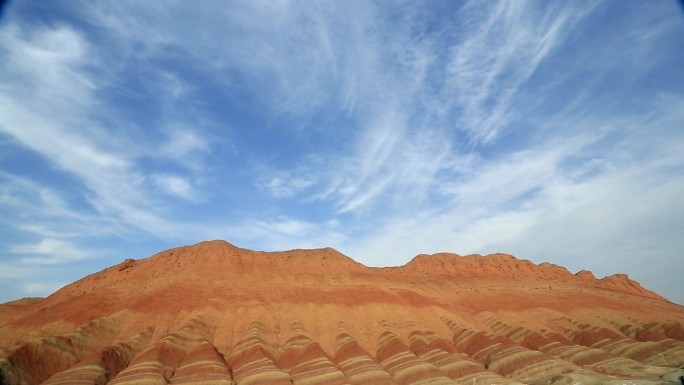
214 313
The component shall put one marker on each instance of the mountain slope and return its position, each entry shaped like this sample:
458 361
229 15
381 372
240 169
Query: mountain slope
214 313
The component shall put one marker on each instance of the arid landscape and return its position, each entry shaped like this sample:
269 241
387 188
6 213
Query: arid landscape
371 141
214 313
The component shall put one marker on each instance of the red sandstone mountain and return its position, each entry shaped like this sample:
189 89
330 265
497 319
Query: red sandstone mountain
214 313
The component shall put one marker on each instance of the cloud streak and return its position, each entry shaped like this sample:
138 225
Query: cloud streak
504 45
51 251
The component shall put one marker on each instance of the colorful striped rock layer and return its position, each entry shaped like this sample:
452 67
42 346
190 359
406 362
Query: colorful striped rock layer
214 313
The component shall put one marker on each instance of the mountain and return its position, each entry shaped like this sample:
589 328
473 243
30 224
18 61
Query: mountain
214 313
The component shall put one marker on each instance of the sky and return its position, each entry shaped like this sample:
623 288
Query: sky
550 130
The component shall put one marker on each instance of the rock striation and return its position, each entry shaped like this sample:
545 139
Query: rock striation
214 313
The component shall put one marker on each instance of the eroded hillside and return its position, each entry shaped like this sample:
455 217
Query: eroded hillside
214 313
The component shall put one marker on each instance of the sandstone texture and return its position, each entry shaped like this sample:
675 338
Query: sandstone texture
214 313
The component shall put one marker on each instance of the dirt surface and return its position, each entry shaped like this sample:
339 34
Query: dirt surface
214 313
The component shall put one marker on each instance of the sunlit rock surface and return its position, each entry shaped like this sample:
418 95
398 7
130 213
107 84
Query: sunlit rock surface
214 313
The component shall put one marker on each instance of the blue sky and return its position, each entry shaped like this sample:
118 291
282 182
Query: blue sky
551 130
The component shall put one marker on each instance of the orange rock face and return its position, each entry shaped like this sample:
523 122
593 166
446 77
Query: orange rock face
214 313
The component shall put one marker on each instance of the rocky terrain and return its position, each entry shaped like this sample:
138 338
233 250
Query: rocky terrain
214 313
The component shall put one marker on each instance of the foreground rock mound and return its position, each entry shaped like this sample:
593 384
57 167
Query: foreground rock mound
214 313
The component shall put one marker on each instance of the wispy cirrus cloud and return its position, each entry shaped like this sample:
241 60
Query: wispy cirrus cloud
504 44
50 251
175 185
283 185
390 158
405 144
284 233
566 202
384 129
184 144
60 117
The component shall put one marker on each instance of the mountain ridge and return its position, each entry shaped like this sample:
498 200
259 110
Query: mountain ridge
309 316
448 261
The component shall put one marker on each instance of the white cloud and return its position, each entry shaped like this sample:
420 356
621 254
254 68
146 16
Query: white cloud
504 44
51 60
22 280
288 226
284 50
60 118
50 251
31 118
274 233
490 184
184 142
392 164
285 186
13 271
399 153
176 186
185 146
33 288
414 136
606 222
25 195
555 204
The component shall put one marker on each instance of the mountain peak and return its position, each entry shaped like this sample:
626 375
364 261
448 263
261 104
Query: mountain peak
217 312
